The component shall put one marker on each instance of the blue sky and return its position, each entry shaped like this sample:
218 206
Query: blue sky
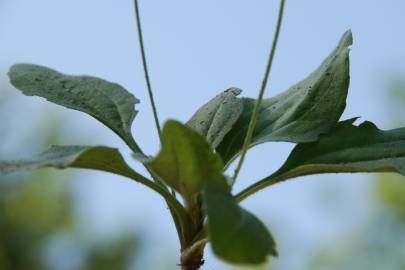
197 49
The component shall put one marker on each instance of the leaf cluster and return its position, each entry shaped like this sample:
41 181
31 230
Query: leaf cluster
194 156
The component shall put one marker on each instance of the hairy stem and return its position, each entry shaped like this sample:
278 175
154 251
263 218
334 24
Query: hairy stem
253 119
145 68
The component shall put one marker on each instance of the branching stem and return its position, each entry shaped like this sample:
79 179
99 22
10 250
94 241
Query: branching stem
253 119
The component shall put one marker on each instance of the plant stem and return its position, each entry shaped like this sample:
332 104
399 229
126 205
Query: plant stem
192 255
193 261
177 210
145 69
253 119
152 101
276 178
179 228
162 191
261 184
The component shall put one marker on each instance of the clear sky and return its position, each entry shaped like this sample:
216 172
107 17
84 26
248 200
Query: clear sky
197 49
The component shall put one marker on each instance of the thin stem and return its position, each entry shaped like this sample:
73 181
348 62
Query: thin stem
180 232
152 101
162 191
280 176
261 184
253 119
145 69
177 210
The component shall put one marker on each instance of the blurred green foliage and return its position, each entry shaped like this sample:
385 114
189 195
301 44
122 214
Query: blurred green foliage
391 194
39 207
30 211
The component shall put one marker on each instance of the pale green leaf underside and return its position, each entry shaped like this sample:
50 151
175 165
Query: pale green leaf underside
236 235
347 149
186 160
61 157
99 158
216 118
108 102
309 108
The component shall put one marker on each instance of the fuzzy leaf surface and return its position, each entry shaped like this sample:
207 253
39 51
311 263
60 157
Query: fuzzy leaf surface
236 235
216 118
309 108
61 157
108 102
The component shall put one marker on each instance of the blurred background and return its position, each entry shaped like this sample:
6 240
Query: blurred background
64 220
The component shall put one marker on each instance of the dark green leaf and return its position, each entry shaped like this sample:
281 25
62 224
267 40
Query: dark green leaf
216 118
108 102
309 108
347 149
185 161
61 157
236 235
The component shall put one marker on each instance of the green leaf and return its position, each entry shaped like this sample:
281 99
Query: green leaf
300 114
347 149
216 118
108 102
185 161
85 157
236 235
97 158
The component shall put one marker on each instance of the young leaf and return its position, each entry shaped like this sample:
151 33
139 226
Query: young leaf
216 118
108 102
85 157
236 235
346 149
309 108
185 161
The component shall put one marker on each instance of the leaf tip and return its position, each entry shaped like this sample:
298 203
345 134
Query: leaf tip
234 90
348 122
171 124
12 71
347 38
16 68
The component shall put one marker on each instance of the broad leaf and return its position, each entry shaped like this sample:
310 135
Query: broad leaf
309 108
61 157
347 149
108 102
97 158
186 161
236 235
216 118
